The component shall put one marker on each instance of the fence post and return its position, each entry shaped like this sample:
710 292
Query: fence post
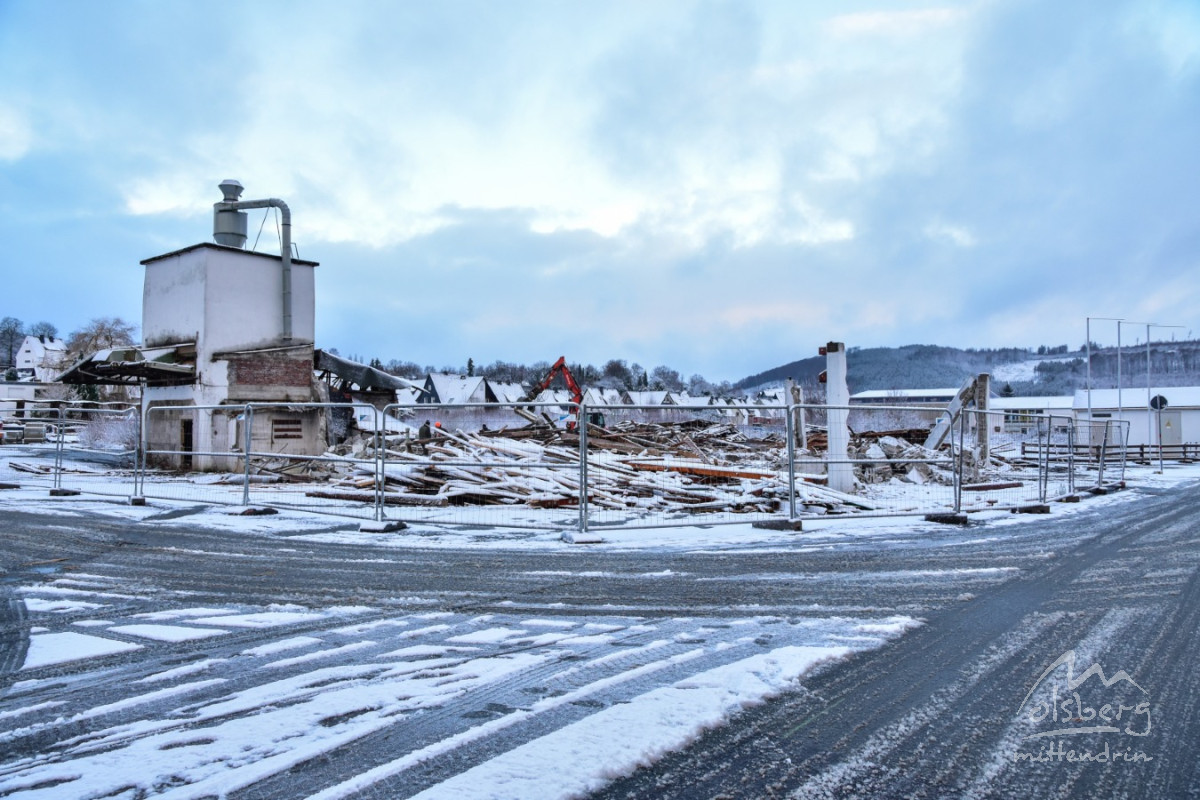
248 413
791 457
58 449
960 462
1070 457
1043 462
583 471
380 460
145 447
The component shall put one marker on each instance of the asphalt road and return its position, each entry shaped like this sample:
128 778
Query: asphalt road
946 710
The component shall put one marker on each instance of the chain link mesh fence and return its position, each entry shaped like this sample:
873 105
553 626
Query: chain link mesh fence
558 466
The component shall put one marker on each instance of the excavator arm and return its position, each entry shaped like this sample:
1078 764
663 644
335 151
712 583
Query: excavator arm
560 367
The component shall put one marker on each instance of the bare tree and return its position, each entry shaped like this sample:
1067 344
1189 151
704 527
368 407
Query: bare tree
46 329
101 333
12 333
663 377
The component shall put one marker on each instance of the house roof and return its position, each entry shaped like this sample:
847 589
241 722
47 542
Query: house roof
649 398
44 343
157 366
596 396
361 375
213 246
507 392
891 394
450 389
1031 403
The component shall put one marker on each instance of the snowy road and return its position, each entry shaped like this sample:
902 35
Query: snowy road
181 652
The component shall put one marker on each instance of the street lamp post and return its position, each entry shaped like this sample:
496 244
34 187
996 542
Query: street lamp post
1088 344
1149 393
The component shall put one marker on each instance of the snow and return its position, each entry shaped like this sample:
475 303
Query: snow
1024 370
490 635
167 633
319 679
46 649
283 645
587 754
58 606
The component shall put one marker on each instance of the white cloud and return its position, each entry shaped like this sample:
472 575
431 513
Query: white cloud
915 22
1173 28
16 135
941 231
372 155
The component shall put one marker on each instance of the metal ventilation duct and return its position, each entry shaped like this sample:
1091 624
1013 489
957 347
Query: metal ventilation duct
229 228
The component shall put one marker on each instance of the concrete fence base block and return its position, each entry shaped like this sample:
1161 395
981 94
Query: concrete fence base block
1098 490
581 537
1071 498
947 519
1033 509
137 501
779 525
385 526
10 486
63 492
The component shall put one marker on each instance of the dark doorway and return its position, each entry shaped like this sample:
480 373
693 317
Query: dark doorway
185 444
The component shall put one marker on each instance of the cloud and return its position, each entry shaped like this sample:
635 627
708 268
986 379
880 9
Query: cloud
16 135
716 186
939 230
914 22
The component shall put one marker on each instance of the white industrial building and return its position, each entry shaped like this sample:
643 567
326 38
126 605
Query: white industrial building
1177 421
222 326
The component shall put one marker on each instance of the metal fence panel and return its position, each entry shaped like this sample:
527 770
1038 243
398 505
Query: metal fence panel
325 480
894 472
100 449
657 466
482 464
199 453
32 446
533 465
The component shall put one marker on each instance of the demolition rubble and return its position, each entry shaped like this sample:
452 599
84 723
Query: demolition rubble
692 466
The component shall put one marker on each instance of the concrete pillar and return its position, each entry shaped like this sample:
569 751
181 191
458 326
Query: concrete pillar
797 397
983 393
837 393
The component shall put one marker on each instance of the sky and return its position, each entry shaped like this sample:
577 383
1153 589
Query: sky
719 187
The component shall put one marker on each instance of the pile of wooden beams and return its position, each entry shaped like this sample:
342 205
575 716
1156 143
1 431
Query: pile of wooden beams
647 467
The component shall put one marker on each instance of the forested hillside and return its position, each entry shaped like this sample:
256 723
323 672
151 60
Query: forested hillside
1048 371
915 366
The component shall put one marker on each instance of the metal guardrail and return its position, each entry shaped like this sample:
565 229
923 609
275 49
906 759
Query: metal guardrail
276 455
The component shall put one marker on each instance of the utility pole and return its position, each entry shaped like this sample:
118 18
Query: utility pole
1088 345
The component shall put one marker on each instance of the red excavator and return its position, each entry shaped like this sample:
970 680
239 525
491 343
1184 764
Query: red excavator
560 366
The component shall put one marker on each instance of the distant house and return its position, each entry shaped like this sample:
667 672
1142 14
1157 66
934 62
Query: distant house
904 397
41 358
448 389
498 392
1021 414
602 397
561 397
648 398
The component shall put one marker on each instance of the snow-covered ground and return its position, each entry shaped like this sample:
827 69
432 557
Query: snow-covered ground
1024 370
127 693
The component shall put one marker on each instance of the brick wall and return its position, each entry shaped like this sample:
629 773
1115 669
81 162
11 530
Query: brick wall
271 376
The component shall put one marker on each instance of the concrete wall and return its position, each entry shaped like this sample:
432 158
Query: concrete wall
229 301
224 299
